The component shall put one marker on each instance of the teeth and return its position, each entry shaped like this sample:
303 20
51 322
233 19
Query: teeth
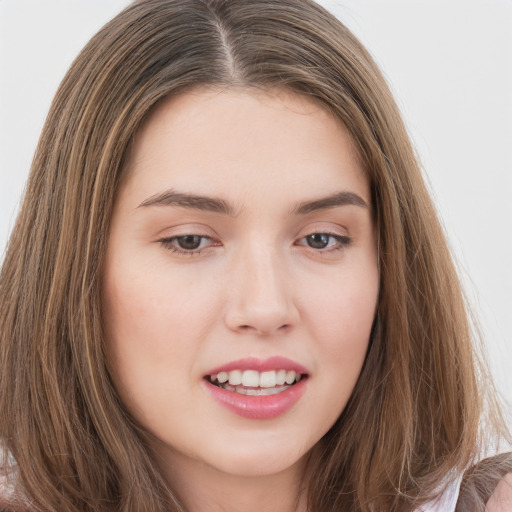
222 377
235 378
256 392
290 377
255 379
250 379
268 380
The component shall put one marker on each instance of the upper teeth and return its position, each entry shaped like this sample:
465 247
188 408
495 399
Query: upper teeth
255 379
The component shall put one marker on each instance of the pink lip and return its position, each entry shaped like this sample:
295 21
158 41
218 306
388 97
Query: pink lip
252 363
258 407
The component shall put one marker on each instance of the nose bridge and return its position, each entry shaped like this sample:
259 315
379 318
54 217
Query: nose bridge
265 272
261 297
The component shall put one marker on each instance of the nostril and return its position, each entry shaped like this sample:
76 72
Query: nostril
262 332
251 328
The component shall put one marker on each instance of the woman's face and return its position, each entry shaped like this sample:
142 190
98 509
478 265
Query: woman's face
241 248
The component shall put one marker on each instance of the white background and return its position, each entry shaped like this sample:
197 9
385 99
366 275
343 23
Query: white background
449 63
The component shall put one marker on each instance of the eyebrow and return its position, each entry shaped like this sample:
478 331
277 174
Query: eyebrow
339 199
213 204
192 201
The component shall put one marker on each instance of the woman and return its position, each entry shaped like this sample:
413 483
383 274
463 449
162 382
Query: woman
227 288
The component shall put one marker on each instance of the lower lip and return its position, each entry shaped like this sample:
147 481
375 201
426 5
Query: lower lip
258 407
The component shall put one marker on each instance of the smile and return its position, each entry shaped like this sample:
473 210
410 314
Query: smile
258 389
254 383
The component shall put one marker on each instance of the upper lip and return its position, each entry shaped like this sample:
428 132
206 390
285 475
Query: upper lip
260 365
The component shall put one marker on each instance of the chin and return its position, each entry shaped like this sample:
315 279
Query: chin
259 461
251 467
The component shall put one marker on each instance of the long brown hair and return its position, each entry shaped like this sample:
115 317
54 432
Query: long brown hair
414 414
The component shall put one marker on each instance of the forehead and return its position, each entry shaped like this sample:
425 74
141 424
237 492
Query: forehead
211 139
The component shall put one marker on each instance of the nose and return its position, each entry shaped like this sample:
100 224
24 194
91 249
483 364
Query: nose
261 299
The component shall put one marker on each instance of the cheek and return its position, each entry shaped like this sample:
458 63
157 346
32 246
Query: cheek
157 324
153 338
345 326
344 307
155 307
341 315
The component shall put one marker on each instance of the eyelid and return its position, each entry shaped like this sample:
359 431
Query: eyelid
167 238
327 228
343 241
171 241
186 228
336 231
169 244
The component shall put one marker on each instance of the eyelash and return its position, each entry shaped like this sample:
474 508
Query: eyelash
170 244
342 241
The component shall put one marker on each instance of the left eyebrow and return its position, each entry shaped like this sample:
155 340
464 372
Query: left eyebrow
339 199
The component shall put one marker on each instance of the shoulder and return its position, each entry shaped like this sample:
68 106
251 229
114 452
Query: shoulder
501 498
487 486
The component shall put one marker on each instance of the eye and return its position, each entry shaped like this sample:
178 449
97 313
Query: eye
324 241
187 244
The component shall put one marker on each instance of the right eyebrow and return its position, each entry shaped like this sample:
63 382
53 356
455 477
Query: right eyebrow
196 202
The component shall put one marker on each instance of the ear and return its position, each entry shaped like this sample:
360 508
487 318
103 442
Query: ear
501 498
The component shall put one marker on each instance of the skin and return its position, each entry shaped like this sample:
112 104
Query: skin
501 499
255 288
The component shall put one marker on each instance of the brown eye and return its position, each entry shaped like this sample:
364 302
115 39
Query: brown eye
189 242
324 242
318 240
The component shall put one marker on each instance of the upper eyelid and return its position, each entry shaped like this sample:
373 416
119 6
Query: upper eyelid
174 237
342 239
336 236
179 231
170 244
327 230
205 231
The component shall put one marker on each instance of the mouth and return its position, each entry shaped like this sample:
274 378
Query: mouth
255 383
258 389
